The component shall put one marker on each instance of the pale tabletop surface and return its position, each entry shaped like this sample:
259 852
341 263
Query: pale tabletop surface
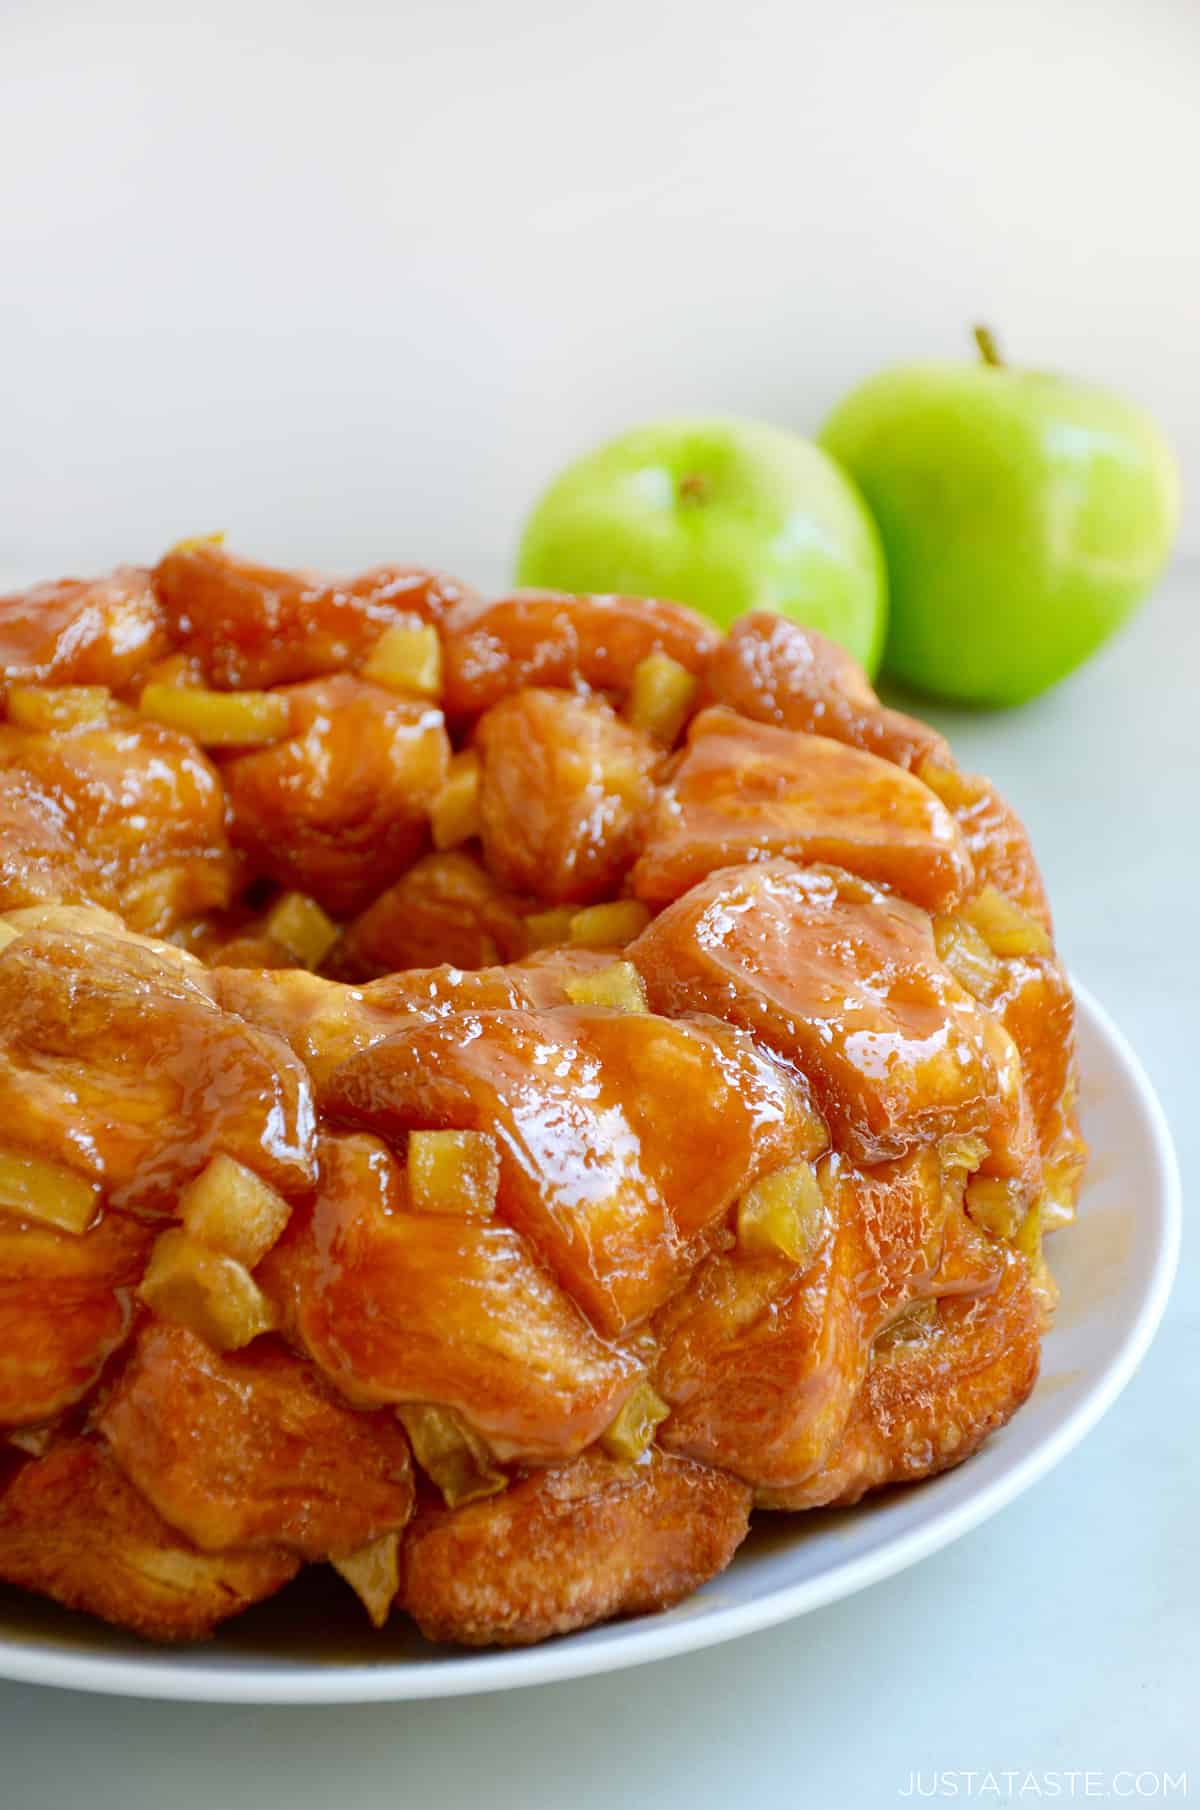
1063 1635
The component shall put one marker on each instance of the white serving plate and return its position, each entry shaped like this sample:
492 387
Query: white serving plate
309 1645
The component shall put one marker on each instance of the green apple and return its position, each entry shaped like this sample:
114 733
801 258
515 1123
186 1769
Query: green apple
1024 516
725 515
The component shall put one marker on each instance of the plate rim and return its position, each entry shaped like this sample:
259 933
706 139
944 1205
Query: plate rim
644 1642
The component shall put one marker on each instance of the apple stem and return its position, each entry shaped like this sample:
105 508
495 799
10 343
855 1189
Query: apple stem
989 351
693 488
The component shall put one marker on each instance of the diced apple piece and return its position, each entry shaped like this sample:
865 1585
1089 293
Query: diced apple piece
453 1172
373 1573
217 719
660 696
963 950
231 1209
51 707
407 657
608 926
51 1193
451 1453
1057 1205
915 1322
299 926
1029 1242
633 1429
454 816
959 1158
35 1442
175 669
211 1294
997 1206
619 987
783 1213
1029 1236
545 929
195 543
1006 927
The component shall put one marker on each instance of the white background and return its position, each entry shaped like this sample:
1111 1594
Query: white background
350 284
351 281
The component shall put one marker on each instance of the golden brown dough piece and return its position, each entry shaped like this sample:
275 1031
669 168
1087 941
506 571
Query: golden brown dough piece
844 981
41 861
746 791
932 1397
115 1062
73 1528
565 783
397 1305
146 810
327 1021
65 1307
994 835
761 1358
341 806
447 910
569 1547
1028 996
771 670
254 626
253 1448
1037 1008
586 1105
556 638
82 631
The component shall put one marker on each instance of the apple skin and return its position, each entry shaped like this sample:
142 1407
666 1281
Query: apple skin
1024 516
725 515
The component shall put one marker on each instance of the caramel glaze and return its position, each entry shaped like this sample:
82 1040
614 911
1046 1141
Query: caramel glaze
784 1008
